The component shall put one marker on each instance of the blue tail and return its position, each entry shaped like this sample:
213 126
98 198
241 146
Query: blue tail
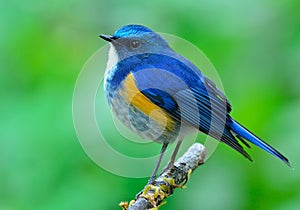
247 135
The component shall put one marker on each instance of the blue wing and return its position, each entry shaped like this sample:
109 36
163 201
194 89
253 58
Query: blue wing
186 95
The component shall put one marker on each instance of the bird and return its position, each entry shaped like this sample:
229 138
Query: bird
162 96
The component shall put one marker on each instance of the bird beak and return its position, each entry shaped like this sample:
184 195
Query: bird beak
108 38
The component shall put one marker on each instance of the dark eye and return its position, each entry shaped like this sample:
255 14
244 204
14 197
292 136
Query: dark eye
135 43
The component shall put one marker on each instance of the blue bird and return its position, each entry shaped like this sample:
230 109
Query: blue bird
162 96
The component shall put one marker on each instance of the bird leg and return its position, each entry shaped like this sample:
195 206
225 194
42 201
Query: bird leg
163 149
173 157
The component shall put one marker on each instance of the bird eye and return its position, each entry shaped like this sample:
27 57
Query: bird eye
135 43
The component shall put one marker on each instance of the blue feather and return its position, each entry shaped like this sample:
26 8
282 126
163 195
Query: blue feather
246 134
131 30
161 99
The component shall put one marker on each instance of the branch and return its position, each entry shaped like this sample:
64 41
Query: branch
152 196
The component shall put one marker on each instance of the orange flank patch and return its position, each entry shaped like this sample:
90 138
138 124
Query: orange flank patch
133 96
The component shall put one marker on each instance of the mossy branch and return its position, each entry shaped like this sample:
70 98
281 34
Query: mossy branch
152 196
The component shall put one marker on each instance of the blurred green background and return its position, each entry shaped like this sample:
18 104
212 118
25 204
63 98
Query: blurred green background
254 45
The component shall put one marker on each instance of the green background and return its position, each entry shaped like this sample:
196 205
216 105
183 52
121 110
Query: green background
255 47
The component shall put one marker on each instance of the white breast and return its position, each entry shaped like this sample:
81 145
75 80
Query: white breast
111 62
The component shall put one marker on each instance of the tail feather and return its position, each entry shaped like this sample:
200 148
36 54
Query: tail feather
244 133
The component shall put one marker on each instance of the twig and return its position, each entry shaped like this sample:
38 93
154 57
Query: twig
152 196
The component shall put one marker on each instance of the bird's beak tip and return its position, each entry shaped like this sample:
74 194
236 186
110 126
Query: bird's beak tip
107 38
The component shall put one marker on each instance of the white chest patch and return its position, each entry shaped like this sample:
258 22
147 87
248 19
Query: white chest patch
112 57
111 62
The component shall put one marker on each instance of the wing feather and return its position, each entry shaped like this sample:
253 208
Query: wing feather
186 95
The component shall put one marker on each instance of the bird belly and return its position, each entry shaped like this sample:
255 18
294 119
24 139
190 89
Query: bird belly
142 124
136 111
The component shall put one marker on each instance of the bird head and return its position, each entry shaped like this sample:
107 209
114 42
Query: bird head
135 39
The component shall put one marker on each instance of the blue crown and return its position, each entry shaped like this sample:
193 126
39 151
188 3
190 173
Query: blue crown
131 30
